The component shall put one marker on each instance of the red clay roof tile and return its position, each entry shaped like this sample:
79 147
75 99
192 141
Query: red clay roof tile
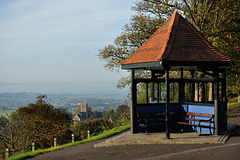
175 40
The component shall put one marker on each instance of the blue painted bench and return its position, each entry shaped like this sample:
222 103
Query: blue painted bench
191 119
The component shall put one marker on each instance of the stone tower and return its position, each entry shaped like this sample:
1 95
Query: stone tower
84 106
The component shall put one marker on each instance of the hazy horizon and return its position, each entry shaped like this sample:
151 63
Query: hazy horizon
62 88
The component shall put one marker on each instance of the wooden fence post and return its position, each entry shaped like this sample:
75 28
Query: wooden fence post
88 134
33 146
55 142
72 138
7 153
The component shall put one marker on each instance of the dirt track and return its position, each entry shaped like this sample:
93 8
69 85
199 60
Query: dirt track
203 151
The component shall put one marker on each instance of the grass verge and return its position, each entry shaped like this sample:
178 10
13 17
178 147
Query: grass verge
105 134
235 103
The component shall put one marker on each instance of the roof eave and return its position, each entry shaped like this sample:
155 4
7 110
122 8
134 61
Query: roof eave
159 65
144 65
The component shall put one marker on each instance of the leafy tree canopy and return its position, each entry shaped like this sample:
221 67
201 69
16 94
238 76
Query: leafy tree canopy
45 122
216 20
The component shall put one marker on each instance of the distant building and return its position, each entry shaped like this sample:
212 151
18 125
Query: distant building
84 106
82 115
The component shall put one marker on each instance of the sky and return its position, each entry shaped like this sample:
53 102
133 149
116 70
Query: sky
56 41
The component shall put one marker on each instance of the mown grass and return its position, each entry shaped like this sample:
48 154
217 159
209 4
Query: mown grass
234 103
105 134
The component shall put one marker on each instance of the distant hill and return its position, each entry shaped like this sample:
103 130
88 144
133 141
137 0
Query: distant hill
63 88
99 102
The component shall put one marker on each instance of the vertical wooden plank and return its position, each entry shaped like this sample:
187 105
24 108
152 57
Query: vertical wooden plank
158 96
181 88
192 88
173 91
205 93
198 92
160 91
167 103
213 92
147 93
152 86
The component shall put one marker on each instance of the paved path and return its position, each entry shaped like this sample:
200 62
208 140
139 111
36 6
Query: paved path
230 150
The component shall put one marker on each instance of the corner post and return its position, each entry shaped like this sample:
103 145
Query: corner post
216 101
224 101
167 102
133 104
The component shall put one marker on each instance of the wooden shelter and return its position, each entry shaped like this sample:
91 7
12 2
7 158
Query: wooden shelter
178 48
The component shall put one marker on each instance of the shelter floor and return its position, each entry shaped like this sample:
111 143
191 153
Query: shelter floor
160 138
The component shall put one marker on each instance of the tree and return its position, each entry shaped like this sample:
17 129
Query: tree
45 122
95 126
15 134
122 115
218 21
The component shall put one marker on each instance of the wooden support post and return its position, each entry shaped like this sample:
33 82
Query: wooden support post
192 87
7 153
206 99
33 146
73 140
152 87
133 104
158 95
216 101
147 93
224 96
160 91
224 93
55 142
167 103
88 135
181 88
198 92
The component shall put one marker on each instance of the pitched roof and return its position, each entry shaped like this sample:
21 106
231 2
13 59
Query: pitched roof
176 41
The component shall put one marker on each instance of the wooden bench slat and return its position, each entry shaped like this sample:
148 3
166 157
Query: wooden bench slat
199 114
202 120
199 120
190 124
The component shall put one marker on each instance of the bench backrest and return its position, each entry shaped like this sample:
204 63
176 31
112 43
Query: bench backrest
199 114
150 114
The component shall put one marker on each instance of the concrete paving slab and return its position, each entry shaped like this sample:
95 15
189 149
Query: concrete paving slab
160 138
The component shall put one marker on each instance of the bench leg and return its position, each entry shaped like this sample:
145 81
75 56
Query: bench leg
146 129
210 130
200 131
